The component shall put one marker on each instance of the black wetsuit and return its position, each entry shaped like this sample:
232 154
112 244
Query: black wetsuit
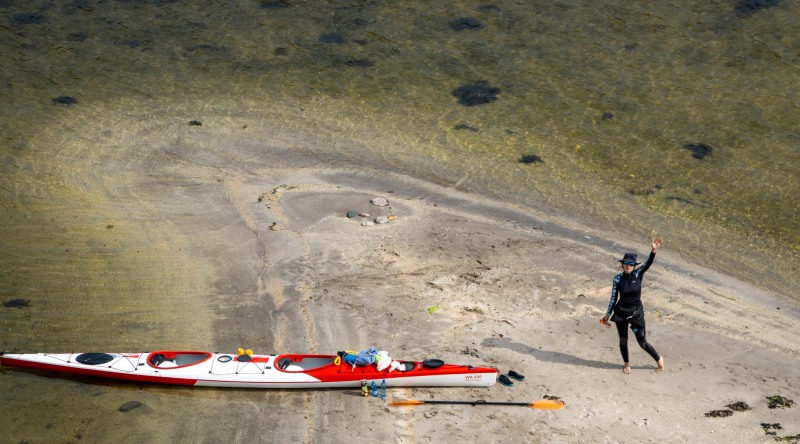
626 303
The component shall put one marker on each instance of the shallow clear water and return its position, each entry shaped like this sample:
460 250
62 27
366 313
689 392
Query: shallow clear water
604 94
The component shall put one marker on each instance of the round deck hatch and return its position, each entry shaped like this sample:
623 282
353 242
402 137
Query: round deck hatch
94 358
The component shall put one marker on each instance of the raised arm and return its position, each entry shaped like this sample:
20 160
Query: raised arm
656 244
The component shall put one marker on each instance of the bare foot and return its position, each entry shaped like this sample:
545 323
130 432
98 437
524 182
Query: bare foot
627 368
660 365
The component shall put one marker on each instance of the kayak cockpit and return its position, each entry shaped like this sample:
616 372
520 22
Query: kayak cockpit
303 363
175 359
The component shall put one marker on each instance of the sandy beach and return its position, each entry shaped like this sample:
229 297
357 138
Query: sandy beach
516 291
281 268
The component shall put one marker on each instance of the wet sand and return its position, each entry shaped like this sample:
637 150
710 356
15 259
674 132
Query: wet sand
272 263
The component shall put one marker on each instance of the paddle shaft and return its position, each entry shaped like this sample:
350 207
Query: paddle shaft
541 405
479 402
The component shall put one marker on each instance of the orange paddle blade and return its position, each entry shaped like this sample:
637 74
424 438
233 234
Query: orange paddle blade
410 402
547 404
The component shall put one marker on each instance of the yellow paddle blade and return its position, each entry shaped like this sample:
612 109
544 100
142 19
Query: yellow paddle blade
547 404
410 402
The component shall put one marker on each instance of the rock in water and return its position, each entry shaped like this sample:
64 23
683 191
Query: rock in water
17 303
462 23
130 405
746 8
476 94
699 150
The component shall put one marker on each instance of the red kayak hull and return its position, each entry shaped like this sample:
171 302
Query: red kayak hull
197 368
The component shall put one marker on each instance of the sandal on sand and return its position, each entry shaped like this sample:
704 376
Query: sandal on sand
505 381
515 375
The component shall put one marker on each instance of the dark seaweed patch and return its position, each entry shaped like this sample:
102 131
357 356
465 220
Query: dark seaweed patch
777 401
746 8
359 62
359 22
202 48
331 38
275 4
350 22
65 100
195 123
719 413
699 150
488 8
470 352
462 23
530 158
83 4
477 94
28 18
17 303
768 428
133 43
77 36
464 126
641 191
282 51
740 406
606 116
630 47
197 25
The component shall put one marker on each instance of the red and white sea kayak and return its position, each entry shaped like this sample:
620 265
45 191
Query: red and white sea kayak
197 368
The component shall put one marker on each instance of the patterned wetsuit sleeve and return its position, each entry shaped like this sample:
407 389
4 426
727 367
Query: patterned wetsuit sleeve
614 292
646 264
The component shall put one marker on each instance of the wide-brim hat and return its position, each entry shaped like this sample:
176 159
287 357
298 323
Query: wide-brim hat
629 258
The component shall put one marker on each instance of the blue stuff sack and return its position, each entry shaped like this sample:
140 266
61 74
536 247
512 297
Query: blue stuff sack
349 358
